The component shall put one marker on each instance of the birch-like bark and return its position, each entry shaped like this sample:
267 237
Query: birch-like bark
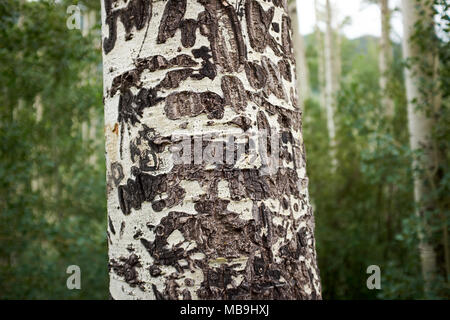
330 83
420 111
300 56
385 58
320 55
184 224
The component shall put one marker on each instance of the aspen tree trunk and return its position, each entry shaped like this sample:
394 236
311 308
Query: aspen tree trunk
300 56
330 83
337 59
218 221
420 130
385 58
320 55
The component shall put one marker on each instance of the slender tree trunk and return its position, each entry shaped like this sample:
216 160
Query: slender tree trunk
320 55
420 112
221 220
385 59
337 59
300 56
330 83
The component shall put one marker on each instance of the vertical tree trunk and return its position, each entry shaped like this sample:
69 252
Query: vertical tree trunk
320 55
219 221
420 111
330 83
337 59
300 56
385 59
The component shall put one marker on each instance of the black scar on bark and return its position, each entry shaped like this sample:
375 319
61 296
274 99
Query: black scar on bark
158 295
132 77
276 27
285 69
131 107
188 103
144 188
258 26
126 268
188 28
135 14
173 78
274 83
171 19
111 226
234 93
256 75
208 68
230 60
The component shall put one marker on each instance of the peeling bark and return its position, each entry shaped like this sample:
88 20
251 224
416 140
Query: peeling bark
219 224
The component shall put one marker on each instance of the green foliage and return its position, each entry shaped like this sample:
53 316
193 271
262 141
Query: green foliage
52 180
365 207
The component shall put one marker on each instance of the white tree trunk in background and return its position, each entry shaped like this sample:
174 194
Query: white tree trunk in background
300 56
320 55
192 226
385 57
337 60
420 130
330 83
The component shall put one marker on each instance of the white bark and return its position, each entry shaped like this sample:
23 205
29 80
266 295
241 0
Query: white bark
330 83
180 231
385 58
420 130
320 55
300 56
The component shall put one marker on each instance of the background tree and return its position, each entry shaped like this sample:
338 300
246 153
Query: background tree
301 68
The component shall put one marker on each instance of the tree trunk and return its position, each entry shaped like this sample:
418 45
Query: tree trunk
300 57
221 221
330 83
385 59
420 112
320 55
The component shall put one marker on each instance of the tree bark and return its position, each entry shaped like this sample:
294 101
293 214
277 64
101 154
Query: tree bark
385 58
420 120
300 56
218 221
330 83
320 55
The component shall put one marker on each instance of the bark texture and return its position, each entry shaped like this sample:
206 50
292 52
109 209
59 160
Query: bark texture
330 83
421 109
300 56
200 229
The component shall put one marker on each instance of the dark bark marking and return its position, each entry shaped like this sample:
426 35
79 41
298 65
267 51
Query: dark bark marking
223 32
135 14
171 19
191 104
234 93
126 268
256 75
188 29
274 82
285 69
286 40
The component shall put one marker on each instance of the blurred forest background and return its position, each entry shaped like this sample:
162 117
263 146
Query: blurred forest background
360 163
